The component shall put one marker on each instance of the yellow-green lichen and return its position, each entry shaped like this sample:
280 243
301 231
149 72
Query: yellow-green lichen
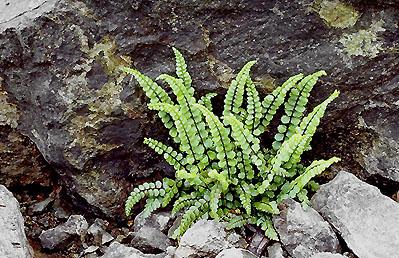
8 112
337 14
364 42
106 51
101 103
266 83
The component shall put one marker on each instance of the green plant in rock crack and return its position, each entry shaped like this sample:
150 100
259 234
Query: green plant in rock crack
222 170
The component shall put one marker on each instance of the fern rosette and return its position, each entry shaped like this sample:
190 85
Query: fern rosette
222 171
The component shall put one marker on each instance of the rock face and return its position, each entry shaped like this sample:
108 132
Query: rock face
206 238
366 219
60 62
13 242
58 237
304 232
235 253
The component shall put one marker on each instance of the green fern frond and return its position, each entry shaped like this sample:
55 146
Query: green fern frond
192 178
156 95
237 221
294 107
174 158
206 100
171 190
273 101
235 94
248 143
184 201
309 123
188 141
300 147
181 68
192 117
151 89
254 108
316 168
245 197
220 178
139 193
267 225
288 154
269 207
151 205
224 147
195 212
214 197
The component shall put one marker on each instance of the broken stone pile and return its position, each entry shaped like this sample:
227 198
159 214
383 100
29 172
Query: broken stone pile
347 218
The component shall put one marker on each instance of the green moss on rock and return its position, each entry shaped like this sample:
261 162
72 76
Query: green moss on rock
337 14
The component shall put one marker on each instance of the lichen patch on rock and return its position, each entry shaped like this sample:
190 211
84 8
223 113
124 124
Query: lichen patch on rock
104 102
8 111
364 42
337 14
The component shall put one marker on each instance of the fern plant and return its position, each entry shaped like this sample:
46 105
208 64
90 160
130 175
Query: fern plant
222 170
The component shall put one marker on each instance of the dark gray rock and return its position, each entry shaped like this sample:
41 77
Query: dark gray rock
149 239
39 207
58 237
235 253
149 233
303 232
99 233
207 238
59 61
121 251
20 161
13 242
365 219
59 211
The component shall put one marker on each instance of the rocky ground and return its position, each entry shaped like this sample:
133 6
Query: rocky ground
71 127
338 224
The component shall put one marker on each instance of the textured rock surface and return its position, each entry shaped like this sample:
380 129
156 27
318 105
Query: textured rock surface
365 219
159 220
304 232
327 255
206 238
99 233
121 251
59 63
275 251
20 161
235 253
150 240
258 242
149 233
13 242
58 237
